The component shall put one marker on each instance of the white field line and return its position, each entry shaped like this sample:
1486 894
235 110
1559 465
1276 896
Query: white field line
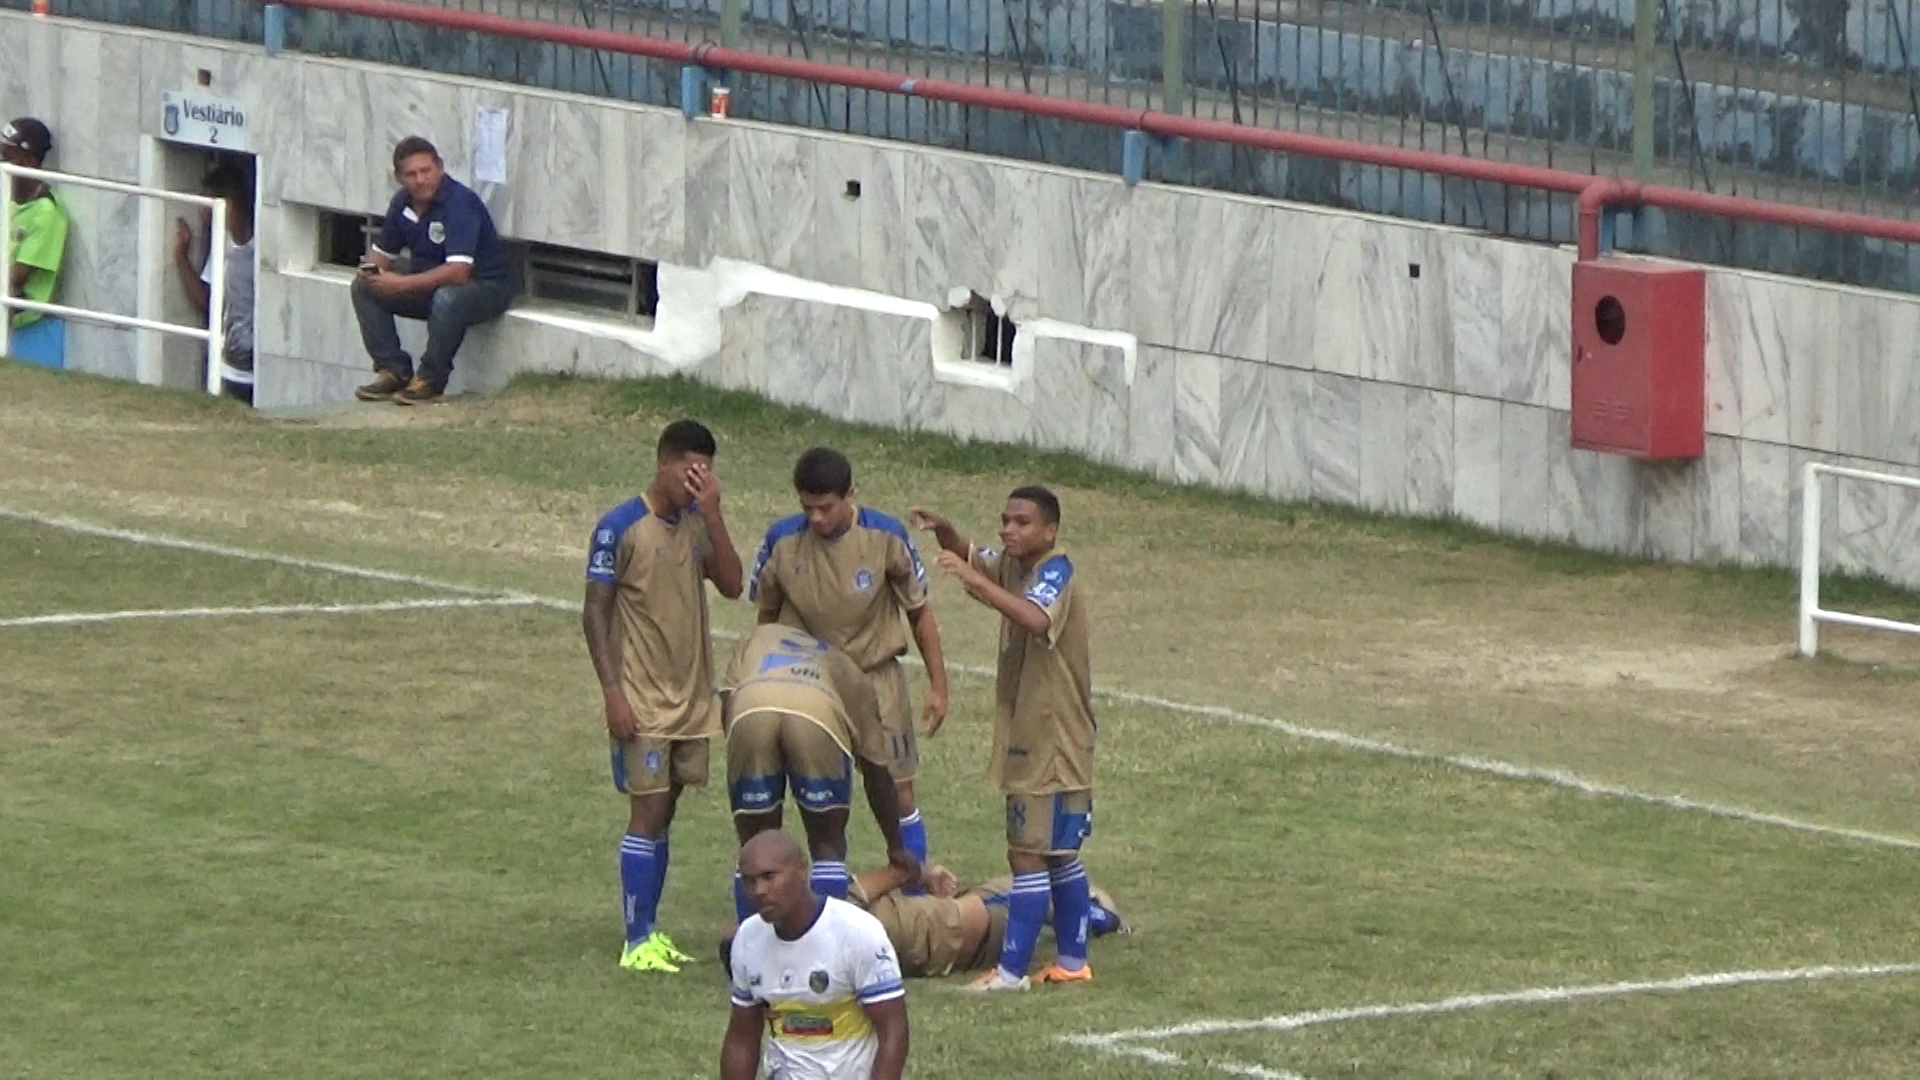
1326 736
77 618
1125 1043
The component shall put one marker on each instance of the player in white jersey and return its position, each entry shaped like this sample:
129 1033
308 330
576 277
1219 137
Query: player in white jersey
815 973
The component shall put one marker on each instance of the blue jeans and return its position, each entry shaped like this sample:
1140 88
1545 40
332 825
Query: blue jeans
449 313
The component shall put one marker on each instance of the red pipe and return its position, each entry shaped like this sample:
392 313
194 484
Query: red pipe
1596 194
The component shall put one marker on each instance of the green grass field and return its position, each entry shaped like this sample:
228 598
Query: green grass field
383 843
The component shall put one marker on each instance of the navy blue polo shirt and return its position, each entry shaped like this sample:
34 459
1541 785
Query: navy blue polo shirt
456 228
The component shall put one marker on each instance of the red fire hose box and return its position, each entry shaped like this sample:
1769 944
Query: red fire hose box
1639 359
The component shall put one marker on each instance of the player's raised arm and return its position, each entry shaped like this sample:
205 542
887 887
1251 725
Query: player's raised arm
944 533
1019 610
723 568
740 1052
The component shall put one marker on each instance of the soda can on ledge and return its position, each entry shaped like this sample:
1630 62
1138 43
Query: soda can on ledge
718 102
42 7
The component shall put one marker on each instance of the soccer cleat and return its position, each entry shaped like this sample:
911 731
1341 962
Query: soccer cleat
385 384
997 980
1057 975
419 392
647 956
668 949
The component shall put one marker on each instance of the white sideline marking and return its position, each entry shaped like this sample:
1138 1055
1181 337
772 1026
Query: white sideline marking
1342 739
75 618
1118 1042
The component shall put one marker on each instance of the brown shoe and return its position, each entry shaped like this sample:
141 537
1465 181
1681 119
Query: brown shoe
419 392
384 385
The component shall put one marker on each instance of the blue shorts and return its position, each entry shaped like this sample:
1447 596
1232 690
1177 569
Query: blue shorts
42 343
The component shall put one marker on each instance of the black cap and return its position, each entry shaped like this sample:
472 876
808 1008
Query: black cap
28 134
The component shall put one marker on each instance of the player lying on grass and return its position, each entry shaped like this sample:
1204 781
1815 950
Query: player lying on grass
799 711
946 929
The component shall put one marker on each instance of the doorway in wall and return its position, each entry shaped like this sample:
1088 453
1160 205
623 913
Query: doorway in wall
177 275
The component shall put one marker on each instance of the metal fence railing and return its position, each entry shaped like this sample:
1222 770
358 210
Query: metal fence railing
1812 102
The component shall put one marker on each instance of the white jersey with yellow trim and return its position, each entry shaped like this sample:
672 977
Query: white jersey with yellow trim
815 989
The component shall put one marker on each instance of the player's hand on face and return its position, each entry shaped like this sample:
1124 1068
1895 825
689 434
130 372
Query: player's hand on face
621 723
704 487
934 714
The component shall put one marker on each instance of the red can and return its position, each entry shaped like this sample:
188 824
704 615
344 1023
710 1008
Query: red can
718 101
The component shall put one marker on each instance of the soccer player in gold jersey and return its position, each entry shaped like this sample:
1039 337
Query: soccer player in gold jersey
1043 729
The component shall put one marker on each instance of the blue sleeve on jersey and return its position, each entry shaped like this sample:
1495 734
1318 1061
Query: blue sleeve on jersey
874 519
779 531
603 554
1055 574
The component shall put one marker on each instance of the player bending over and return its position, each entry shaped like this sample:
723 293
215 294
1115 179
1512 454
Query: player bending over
799 712
646 625
1043 728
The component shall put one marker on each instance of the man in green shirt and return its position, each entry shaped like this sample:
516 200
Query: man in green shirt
38 244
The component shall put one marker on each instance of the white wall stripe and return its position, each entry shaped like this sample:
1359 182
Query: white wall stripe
76 618
1342 739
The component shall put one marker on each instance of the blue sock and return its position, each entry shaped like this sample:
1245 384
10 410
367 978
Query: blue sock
1026 914
1071 900
1100 920
742 907
830 878
914 832
639 885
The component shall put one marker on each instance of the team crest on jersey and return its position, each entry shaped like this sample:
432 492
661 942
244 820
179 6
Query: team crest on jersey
437 232
654 760
818 981
863 581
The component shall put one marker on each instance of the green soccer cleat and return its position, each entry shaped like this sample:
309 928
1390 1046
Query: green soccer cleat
668 949
648 956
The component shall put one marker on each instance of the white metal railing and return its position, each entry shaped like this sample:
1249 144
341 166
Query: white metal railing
1811 613
216 266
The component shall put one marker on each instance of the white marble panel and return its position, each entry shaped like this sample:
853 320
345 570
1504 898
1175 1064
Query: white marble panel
1797 461
1429 488
1150 411
1476 460
1716 502
1902 437
1202 271
1266 417
1197 382
1757 344
1406 298
973 225
881 369
29 55
1297 299
770 197
1666 508
1383 446
1765 490
1079 398
285 381
1336 449
1862 529
1082 248
562 154
1536 331
1475 280
1902 563
1595 497
709 214
1345 332
743 347
97 130
1809 319
976 414
1525 484
858 240
101 350
1875 336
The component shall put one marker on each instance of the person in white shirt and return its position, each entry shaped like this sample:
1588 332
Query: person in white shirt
815 973
234 185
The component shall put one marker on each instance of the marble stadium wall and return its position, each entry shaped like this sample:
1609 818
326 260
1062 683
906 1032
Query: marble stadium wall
1278 349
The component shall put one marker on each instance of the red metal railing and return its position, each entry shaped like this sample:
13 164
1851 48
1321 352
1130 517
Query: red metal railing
1596 194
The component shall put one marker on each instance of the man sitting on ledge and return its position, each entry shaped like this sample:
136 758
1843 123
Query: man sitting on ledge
458 277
